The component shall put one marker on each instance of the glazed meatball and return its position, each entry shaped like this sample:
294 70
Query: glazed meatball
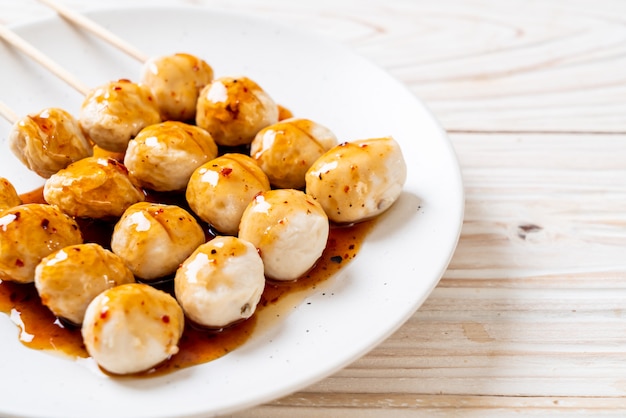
289 228
8 195
92 188
48 141
219 190
153 239
102 153
234 110
355 181
287 149
163 156
30 232
114 113
68 279
132 328
175 82
221 282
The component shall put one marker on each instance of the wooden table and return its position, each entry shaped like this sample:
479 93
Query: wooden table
530 317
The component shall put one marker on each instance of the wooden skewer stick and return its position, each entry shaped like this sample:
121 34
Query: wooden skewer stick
29 50
96 29
7 113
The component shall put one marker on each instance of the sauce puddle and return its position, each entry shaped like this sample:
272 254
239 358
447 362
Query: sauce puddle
41 330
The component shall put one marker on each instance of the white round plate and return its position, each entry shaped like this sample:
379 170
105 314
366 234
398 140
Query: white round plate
319 331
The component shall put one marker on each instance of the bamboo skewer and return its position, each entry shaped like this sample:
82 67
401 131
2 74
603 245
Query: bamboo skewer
29 50
96 29
7 113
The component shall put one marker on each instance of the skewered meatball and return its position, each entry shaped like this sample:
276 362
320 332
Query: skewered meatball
132 327
219 190
153 239
287 149
115 112
163 156
289 228
102 153
358 180
221 282
233 110
175 82
68 279
8 195
92 188
48 141
30 232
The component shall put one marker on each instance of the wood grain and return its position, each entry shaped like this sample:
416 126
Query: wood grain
530 317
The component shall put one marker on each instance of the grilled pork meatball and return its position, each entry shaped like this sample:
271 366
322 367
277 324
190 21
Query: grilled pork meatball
68 279
153 239
221 282
175 82
92 188
234 110
286 150
30 232
219 190
114 113
48 141
355 181
132 328
8 195
163 156
289 228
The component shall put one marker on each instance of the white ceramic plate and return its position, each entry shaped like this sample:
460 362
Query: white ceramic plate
319 332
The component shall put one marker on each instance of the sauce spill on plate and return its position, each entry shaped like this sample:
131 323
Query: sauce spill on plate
41 330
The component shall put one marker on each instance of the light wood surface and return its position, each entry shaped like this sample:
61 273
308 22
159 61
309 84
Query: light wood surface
530 317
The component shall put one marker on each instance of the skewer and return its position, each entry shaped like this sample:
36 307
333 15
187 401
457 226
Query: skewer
29 50
7 113
96 29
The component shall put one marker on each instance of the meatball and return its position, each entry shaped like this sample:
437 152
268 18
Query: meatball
115 112
30 232
68 279
219 190
289 228
132 328
48 141
355 181
8 195
92 188
287 149
163 156
220 283
175 82
153 239
234 110
102 153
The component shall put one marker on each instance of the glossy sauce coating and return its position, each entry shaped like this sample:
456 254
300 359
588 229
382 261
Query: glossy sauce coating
30 232
48 141
115 112
93 188
162 157
68 279
234 109
358 180
175 82
8 195
219 190
286 150
41 330
153 239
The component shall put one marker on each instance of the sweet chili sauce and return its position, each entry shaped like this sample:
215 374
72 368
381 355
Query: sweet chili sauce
40 329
